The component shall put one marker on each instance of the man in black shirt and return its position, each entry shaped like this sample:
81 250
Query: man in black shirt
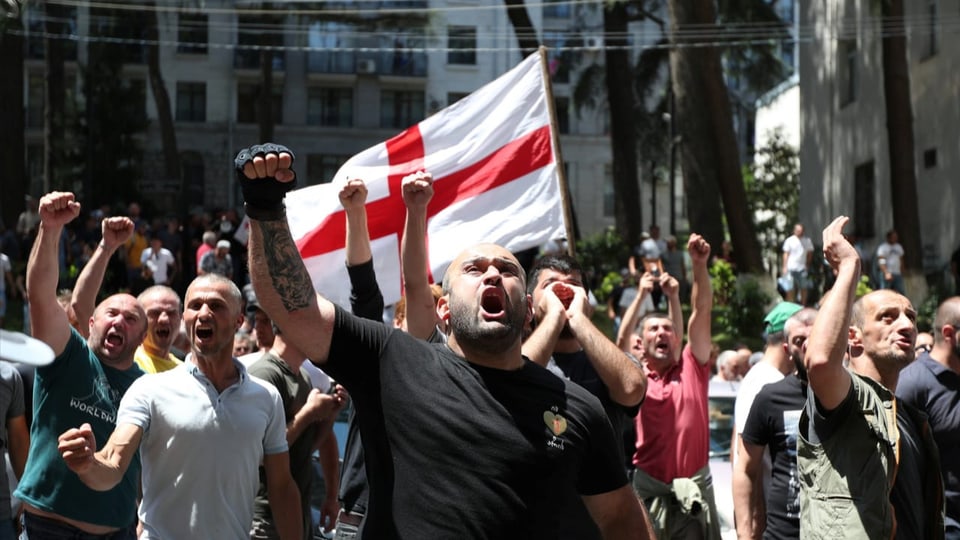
772 505
467 439
566 341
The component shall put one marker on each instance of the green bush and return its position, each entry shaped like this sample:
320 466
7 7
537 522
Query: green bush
601 255
740 304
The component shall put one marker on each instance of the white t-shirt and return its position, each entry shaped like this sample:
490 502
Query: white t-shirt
890 254
5 268
158 263
796 250
206 444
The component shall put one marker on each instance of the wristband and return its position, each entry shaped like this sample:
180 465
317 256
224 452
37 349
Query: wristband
276 213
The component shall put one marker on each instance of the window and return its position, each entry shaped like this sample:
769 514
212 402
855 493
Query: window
254 31
562 108
138 98
462 42
864 204
560 60
399 109
191 102
608 192
848 71
248 95
321 168
557 9
193 176
36 92
453 97
192 33
932 28
330 107
52 19
128 29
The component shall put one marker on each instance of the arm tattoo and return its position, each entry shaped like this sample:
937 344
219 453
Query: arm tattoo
289 275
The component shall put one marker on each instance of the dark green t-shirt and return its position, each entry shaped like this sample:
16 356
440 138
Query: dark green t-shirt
74 389
294 389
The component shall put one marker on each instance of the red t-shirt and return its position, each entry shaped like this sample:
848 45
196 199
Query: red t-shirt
201 251
673 438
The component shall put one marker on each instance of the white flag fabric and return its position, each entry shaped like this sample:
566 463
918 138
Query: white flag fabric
492 156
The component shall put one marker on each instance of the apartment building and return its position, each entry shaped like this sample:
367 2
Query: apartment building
344 79
844 153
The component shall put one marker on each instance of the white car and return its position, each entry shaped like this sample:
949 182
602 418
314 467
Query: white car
722 396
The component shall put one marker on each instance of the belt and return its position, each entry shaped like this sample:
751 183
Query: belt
349 518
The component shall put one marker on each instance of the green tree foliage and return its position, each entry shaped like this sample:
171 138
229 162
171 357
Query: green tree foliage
601 255
773 192
739 306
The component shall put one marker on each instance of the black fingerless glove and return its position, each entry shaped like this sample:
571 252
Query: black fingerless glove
263 197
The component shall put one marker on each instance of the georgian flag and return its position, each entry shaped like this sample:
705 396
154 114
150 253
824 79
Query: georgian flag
492 156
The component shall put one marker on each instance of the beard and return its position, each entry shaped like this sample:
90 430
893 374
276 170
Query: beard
891 358
490 337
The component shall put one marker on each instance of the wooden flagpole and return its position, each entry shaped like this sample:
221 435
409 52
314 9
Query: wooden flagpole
558 156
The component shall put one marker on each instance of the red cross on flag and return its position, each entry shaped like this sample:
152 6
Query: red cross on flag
493 159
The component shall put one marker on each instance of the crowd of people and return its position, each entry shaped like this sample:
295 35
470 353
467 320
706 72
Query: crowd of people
491 407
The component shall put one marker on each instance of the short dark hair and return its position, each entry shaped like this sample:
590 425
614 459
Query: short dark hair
562 263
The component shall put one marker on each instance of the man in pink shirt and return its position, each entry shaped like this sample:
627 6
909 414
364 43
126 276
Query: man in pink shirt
672 475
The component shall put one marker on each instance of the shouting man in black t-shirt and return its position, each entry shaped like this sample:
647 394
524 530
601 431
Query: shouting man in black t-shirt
771 505
468 439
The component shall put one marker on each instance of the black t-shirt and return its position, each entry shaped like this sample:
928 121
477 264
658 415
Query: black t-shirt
578 368
366 301
773 422
453 449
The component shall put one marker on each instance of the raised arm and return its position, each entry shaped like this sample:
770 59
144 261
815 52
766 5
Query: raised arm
283 286
628 325
671 289
421 313
48 321
623 377
827 342
701 299
353 197
539 345
102 470
116 231
366 299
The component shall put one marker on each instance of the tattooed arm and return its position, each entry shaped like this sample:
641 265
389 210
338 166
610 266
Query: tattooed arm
280 279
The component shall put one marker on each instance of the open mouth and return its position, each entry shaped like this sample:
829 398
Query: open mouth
114 340
162 333
492 302
204 333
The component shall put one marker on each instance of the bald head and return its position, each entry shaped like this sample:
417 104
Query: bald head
948 314
492 252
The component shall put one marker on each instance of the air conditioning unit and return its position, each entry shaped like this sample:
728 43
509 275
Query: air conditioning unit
593 43
366 66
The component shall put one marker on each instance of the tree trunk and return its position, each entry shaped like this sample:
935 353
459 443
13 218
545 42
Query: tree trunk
900 143
53 98
265 98
623 135
708 149
522 26
168 134
12 149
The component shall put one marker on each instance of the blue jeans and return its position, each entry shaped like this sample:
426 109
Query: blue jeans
895 283
43 528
